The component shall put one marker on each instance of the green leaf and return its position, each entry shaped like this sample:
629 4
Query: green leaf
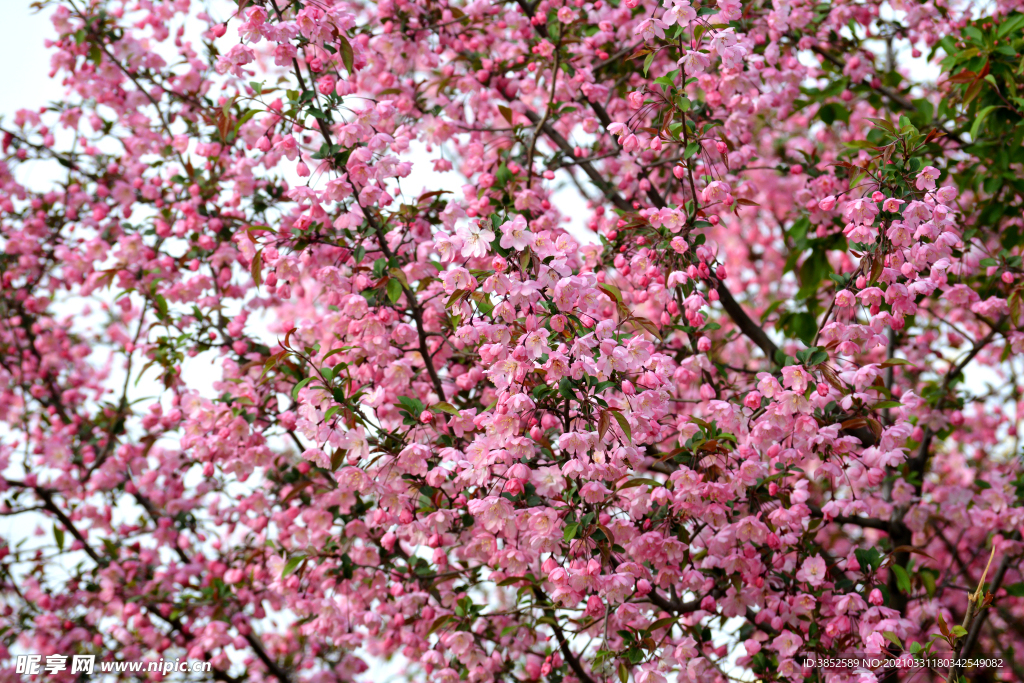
801 325
1011 25
244 118
337 457
347 57
691 149
298 387
817 358
439 622
831 112
340 349
641 481
512 580
612 291
887 404
256 268
902 578
624 425
394 290
868 557
959 631
161 306
893 638
58 535
569 532
648 60
976 126
565 389
667 622
457 296
292 564
444 407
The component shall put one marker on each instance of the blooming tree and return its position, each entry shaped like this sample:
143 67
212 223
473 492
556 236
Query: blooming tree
759 404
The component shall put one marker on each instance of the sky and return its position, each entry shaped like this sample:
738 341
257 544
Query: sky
24 78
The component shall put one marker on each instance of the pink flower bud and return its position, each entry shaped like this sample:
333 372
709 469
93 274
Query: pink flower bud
627 388
827 204
875 598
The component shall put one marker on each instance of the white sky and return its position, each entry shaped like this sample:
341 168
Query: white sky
24 81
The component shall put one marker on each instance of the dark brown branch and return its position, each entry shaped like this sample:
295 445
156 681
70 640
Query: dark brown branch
563 644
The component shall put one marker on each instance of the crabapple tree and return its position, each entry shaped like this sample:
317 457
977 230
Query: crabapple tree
710 365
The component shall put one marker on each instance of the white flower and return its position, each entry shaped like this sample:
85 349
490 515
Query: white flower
476 240
515 234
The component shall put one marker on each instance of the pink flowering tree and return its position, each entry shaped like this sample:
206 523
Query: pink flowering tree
711 367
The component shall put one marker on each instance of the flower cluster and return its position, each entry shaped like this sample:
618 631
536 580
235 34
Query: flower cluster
719 411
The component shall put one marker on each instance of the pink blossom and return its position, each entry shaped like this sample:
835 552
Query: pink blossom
787 643
926 178
812 571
